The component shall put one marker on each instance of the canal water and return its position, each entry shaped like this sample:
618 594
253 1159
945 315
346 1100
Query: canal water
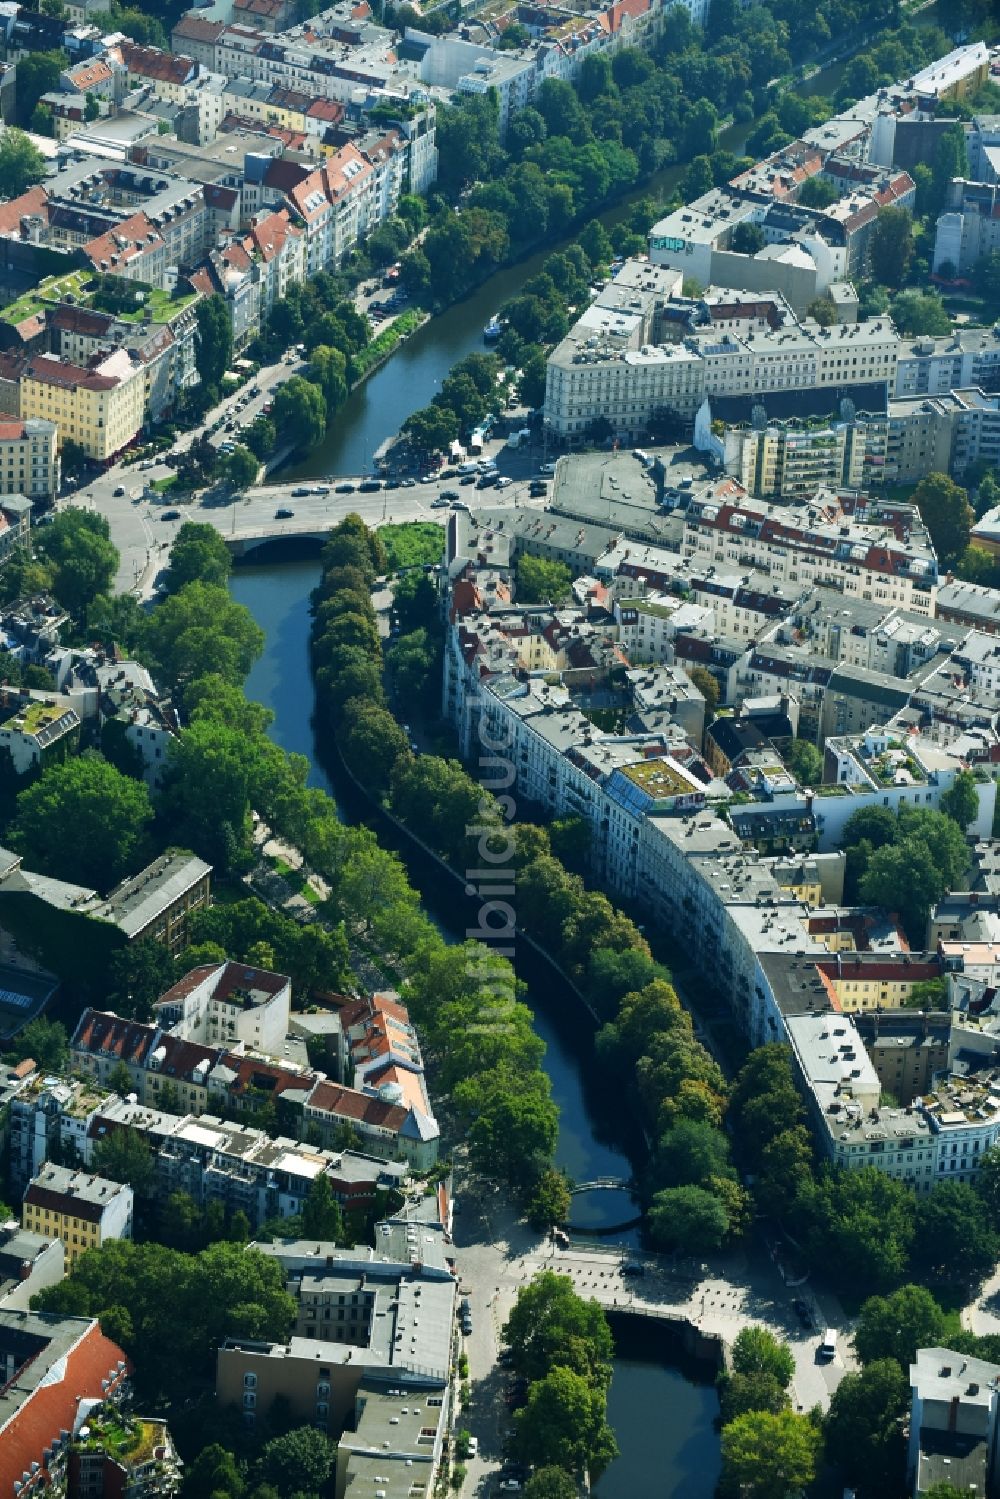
661 1409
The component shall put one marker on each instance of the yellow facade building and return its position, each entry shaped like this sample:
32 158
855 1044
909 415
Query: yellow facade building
99 408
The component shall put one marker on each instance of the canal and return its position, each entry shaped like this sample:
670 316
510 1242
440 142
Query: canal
662 1410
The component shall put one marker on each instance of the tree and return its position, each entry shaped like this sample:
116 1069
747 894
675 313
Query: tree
550 1324
768 1456
758 1351
214 1472
301 1460
945 510
214 340
746 239
109 815
739 1393
863 1427
951 159
240 467
895 1326
21 163
321 1215
120 1079
199 554
953 1242
199 631
817 192
207 790
514 1120
960 802
371 743
708 686
138 975
124 1156
550 1201
918 313
890 247
44 1041
805 762
78 546
564 1425
37 74
551 1483
299 412
690 1153
903 878
691 1219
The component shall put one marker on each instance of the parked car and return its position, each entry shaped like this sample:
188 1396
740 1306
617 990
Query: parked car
439 503
344 489
449 494
468 479
119 491
473 1446
170 515
321 489
409 483
300 492
283 513
370 486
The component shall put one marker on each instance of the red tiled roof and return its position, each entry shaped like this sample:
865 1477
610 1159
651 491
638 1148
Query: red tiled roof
151 62
127 241
51 371
51 1407
34 201
197 29
102 1034
348 1103
11 431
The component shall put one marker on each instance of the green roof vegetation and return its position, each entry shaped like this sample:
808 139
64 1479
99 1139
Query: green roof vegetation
35 717
120 1437
160 307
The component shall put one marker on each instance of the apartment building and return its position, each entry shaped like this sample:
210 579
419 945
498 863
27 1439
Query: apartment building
101 408
969 228
29 461
225 1004
33 729
50 1366
641 351
857 544
953 1423
83 1211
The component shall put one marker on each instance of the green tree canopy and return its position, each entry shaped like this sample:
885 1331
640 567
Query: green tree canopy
895 1326
214 339
890 247
109 815
198 554
863 1428
550 1324
564 1425
21 163
124 1156
960 802
946 512
539 581
769 1456
301 1460
78 547
691 1219
198 631
757 1351
299 412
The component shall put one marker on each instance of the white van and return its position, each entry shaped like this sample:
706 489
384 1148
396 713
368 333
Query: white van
828 1346
469 467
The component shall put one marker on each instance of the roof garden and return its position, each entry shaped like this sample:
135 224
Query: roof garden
657 778
129 1441
159 307
47 294
34 717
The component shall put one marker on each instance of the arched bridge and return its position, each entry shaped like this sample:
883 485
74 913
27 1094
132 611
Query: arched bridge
609 1183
